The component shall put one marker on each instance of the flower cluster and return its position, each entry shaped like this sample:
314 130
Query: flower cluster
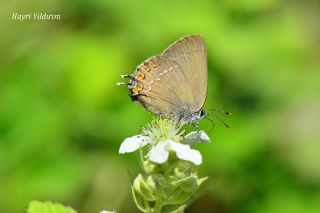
169 178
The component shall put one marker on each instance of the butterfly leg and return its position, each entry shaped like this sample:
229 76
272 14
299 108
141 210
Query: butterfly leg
121 83
196 124
126 76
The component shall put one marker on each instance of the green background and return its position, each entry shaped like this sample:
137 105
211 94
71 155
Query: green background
62 118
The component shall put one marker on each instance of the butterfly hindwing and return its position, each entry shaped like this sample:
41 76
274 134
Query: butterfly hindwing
160 80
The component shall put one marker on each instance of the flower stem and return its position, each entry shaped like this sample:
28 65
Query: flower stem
157 207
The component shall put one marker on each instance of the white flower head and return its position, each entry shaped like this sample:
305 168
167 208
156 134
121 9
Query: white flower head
165 136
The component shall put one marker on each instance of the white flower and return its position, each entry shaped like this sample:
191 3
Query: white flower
104 211
134 143
196 137
159 152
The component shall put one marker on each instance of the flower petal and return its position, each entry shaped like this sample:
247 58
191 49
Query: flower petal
196 137
133 143
159 153
184 152
204 137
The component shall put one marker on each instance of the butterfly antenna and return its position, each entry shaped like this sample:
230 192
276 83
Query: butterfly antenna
219 110
211 123
222 121
210 112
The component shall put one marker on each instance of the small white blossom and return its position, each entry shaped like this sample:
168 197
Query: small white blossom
159 152
165 136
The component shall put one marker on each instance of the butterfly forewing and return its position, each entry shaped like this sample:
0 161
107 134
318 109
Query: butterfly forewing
191 55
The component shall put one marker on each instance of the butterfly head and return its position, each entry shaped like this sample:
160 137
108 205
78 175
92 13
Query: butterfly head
190 117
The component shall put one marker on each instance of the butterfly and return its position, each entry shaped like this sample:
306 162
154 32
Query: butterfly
175 82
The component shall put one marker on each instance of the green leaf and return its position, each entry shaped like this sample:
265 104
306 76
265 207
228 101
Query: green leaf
48 207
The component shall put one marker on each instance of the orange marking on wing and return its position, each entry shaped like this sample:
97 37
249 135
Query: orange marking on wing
145 69
137 89
140 76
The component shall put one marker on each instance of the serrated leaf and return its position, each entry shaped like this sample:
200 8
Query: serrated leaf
48 207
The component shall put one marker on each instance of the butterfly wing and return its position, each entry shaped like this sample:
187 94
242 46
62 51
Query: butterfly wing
162 86
190 55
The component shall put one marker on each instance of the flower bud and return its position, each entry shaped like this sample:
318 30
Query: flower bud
141 186
182 170
158 184
150 167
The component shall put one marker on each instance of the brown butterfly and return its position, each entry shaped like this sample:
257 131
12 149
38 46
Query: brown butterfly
173 83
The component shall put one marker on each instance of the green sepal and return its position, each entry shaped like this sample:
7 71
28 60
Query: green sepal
182 170
188 184
139 201
151 168
141 186
159 185
178 196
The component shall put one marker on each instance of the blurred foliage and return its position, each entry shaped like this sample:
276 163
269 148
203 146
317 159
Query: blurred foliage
62 118
48 207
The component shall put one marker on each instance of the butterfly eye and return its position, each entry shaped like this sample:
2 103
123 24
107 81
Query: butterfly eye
202 114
